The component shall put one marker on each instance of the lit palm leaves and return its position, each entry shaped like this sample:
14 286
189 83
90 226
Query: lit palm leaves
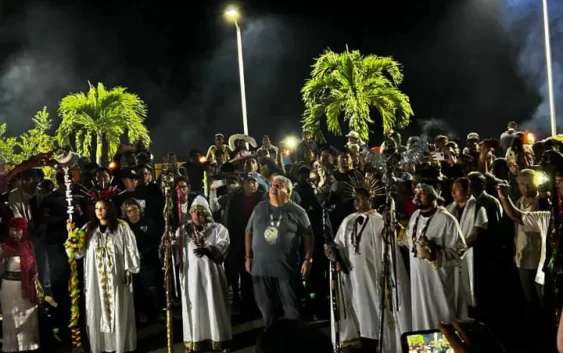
104 115
349 86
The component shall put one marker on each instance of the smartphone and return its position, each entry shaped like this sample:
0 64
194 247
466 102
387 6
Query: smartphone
438 156
424 341
218 183
492 143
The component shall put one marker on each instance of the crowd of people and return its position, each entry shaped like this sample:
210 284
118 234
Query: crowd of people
466 229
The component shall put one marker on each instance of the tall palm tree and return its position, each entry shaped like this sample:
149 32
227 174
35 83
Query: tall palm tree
102 114
351 87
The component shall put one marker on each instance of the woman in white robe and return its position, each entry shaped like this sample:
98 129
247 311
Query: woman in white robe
110 258
205 303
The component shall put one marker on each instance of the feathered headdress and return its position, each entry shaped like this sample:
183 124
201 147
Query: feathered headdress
107 194
368 185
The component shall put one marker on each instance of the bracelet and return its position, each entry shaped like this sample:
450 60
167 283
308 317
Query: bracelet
248 258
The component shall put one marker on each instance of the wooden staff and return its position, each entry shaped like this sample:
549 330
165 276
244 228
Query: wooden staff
74 246
168 176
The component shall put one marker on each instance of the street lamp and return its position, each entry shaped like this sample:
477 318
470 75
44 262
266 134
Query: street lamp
549 71
233 15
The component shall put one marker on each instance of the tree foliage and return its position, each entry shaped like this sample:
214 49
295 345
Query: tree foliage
37 139
7 153
34 141
104 115
350 87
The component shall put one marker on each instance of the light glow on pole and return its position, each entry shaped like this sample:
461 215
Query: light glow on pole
549 70
233 15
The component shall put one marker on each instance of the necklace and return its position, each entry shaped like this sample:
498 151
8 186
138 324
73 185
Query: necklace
423 233
356 236
199 236
271 234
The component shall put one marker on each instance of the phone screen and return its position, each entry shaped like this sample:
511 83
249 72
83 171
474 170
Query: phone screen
438 156
425 341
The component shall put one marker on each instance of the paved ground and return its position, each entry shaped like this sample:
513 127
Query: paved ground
152 339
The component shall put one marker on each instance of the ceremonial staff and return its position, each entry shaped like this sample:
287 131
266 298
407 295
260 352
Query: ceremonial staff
392 156
75 248
168 175
333 255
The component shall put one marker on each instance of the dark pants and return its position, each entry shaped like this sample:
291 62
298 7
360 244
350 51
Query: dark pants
234 267
274 295
59 273
318 287
147 292
532 290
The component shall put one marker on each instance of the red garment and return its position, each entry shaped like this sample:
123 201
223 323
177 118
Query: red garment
408 207
249 202
24 249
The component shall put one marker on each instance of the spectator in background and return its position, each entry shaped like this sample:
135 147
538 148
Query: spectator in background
195 170
507 136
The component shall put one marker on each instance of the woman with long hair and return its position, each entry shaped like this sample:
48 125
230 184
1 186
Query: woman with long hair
110 259
18 296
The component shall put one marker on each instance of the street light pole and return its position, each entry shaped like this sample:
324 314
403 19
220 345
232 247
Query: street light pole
549 70
241 74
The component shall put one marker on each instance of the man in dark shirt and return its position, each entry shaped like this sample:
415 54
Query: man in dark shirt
507 137
130 178
274 235
195 170
237 214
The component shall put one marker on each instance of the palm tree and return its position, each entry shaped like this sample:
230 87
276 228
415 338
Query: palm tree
350 87
104 115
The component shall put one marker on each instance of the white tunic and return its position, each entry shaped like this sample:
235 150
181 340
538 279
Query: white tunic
436 292
472 217
361 292
20 327
110 314
205 302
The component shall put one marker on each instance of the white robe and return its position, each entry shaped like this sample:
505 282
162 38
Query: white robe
110 313
436 292
360 295
470 218
205 302
20 325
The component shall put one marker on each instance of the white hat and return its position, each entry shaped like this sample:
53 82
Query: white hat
201 204
353 134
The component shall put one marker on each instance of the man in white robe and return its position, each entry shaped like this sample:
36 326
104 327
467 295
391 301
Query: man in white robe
436 246
473 222
205 302
360 243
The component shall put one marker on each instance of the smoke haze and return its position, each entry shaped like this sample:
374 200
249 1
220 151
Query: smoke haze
523 20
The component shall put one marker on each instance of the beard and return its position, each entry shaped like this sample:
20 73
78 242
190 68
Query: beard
421 205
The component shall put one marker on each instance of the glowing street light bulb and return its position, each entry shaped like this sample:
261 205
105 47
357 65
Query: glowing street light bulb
232 14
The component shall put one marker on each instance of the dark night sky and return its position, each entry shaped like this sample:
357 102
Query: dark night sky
459 65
